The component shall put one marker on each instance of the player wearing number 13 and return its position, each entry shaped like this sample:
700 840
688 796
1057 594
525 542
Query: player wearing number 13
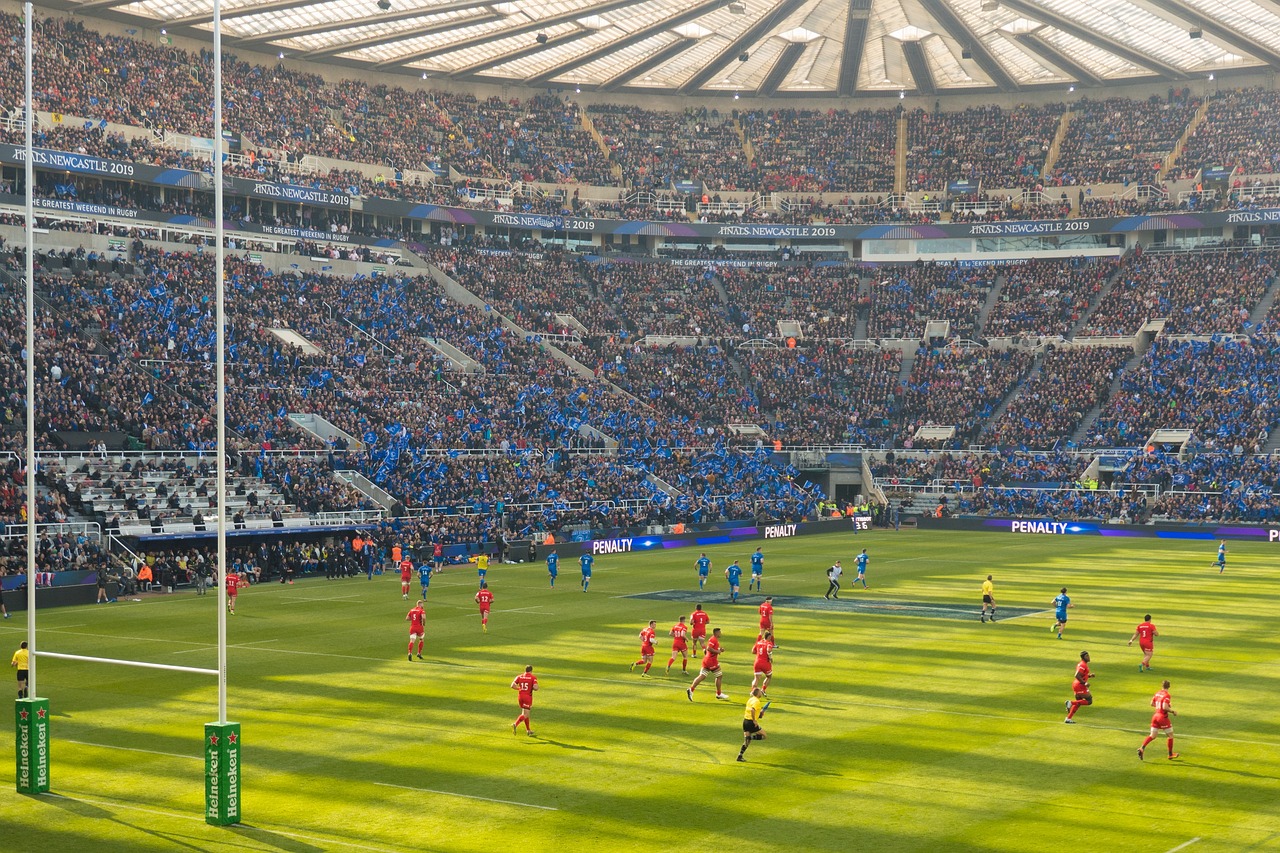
526 684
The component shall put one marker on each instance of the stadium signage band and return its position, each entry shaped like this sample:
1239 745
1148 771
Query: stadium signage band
1177 220
779 531
1160 530
86 208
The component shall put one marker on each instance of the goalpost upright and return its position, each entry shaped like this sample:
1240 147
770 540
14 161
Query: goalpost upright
221 738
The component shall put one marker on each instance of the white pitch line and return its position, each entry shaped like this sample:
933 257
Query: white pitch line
467 796
305 600
1183 845
132 749
243 827
206 648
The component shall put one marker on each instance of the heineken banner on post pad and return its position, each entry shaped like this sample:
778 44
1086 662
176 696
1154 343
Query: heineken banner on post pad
32 746
221 773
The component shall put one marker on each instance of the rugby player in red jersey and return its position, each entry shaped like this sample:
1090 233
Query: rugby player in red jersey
710 666
1160 723
698 628
679 643
647 636
234 583
763 671
1145 634
526 684
1080 687
766 616
416 618
485 599
406 574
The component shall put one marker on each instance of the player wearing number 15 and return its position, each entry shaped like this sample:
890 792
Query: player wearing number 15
416 618
526 684
1145 634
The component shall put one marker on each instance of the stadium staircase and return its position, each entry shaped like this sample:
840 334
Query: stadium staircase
1055 147
1171 160
908 362
590 127
900 158
864 308
1003 406
366 487
1102 294
993 297
1086 423
1263 308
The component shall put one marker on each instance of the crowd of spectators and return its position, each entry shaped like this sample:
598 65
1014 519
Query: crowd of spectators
1226 391
1235 133
804 151
1215 293
1046 297
904 298
986 145
1121 140
825 299
961 388
1050 405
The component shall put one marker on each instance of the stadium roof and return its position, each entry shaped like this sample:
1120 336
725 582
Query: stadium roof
760 47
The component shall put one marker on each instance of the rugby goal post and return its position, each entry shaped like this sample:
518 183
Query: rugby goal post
221 738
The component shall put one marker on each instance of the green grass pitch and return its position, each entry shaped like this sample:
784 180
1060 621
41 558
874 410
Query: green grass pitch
890 730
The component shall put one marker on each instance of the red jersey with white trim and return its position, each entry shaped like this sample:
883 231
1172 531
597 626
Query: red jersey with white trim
484 598
766 615
699 621
234 582
417 620
406 569
647 636
1146 634
679 637
525 682
711 660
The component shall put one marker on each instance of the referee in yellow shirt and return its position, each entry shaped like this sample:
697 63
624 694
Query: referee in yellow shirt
751 722
21 662
988 599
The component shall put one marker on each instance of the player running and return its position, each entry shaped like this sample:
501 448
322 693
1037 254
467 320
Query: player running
424 578
766 615
1080 687
586 561
734 574
1145 634
763 670
527 684
751 717
861 561
1160 723
757 571
482 567
417 618
833 580
679 634
1222 557
710 667
988 599
234 584
406 575
648 635
485 599
698 628
1060 604
553 567
704 569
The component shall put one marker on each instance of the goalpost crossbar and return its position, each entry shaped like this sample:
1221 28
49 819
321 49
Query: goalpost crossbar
120 662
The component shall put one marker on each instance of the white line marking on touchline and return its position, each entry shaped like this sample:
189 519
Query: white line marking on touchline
466 796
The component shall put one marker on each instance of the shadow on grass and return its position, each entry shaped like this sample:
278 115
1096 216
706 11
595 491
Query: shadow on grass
574 746
266 836
808 771
89 810
1214 769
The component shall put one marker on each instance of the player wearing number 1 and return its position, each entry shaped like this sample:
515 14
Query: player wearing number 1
527 684
416 618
